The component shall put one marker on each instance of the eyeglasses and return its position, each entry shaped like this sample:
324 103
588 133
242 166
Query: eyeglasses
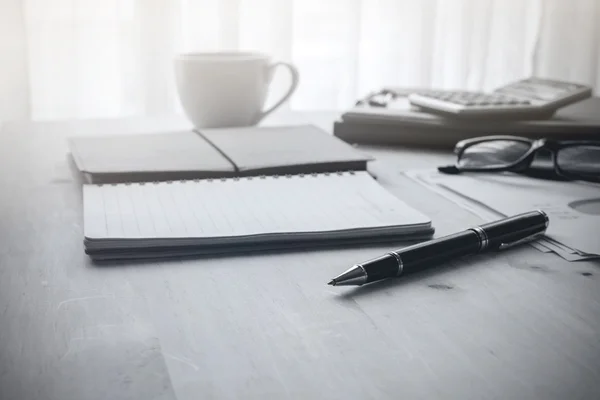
577 160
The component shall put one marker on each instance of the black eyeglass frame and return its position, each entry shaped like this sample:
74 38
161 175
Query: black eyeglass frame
553 146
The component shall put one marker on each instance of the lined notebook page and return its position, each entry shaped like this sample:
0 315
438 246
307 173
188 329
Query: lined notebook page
243 207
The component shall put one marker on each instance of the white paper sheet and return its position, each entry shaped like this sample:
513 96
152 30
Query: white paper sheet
573 207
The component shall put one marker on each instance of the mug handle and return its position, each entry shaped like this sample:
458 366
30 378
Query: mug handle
293 86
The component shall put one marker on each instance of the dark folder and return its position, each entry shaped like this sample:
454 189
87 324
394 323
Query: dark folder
407 125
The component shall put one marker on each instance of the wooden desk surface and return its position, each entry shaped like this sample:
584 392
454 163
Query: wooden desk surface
515 325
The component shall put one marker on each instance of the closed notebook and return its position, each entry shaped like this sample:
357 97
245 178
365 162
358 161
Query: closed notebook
212 153
161 219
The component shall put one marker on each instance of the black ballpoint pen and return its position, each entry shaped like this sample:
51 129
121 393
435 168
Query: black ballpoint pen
495 235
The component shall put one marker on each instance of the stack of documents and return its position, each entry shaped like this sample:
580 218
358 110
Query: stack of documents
573 207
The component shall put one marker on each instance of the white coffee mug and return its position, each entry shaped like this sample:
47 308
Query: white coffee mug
227 89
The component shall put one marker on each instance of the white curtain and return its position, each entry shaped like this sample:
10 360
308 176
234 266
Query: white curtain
113 58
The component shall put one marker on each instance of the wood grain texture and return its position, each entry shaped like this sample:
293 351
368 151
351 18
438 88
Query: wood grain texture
516 325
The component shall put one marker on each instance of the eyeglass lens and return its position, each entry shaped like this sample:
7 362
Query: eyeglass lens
493 153
584 159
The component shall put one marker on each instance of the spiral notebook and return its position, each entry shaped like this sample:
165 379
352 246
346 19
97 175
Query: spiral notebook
229 215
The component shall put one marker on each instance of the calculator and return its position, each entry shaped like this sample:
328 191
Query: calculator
531 98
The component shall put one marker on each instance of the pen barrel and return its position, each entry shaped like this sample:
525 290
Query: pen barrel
438 251
386 266
513 229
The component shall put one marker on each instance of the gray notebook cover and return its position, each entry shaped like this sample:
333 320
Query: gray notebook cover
212 153
285 150
141 157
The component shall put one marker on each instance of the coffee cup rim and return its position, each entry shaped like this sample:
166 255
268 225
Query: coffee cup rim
221 56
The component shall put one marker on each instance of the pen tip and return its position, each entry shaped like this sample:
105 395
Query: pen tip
332 282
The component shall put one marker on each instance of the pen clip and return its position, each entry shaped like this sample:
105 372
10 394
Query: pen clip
526 239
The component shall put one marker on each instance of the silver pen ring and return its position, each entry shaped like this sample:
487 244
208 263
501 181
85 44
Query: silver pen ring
399 260
483 238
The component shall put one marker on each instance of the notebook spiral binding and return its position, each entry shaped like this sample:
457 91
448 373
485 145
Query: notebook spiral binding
235 178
